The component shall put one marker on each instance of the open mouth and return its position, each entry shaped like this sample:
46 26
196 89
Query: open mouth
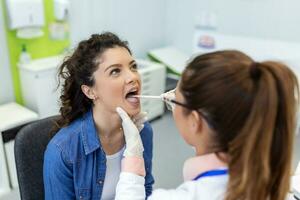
130 95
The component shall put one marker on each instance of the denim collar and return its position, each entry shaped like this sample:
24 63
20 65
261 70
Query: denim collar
89 133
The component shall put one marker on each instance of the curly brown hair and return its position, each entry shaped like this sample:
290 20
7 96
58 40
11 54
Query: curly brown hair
77 70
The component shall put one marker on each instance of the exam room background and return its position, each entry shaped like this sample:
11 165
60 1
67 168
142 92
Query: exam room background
149 24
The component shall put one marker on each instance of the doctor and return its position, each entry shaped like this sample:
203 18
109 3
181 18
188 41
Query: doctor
239 115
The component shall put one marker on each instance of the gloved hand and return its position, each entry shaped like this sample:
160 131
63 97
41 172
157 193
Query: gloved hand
134 145
139 120
168 95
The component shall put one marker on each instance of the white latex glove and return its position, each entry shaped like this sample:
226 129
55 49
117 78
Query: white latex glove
139 120
134 145
167 98
168 95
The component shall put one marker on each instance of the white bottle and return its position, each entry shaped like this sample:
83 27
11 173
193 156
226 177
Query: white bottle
24 56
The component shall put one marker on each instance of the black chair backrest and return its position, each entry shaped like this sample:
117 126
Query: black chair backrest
30 145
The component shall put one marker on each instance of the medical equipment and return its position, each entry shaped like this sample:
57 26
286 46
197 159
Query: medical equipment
147 96
167 97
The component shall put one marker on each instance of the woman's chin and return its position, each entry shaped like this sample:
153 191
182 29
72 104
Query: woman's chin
133 112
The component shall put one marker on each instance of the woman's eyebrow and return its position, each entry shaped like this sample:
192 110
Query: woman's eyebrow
132 62
113 65
119 65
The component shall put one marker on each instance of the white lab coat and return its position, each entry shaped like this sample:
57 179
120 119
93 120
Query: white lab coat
131 187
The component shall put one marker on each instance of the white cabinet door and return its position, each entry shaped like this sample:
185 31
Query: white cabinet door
46 93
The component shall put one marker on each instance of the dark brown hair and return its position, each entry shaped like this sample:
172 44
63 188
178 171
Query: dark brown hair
77 70
251 108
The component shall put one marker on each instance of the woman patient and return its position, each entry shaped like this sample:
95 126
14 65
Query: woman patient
83 159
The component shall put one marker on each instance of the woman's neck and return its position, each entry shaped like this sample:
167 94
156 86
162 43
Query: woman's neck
200 151
108 123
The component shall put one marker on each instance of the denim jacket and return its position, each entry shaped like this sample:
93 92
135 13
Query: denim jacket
75 163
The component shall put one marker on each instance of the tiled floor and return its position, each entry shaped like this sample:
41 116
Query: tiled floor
169 154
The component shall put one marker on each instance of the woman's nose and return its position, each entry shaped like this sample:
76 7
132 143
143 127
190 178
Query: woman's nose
131 77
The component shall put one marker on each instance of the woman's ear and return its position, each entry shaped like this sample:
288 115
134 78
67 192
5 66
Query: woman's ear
195 122
88 91
199 125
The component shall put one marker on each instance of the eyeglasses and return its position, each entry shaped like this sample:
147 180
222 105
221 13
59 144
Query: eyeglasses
169 99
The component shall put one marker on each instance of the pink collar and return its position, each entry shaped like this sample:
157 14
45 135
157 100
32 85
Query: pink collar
199 164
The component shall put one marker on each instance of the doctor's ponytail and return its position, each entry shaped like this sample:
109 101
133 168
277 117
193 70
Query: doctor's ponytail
260 164
252 106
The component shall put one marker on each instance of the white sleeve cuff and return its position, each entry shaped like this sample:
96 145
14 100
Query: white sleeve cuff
132 178
130 187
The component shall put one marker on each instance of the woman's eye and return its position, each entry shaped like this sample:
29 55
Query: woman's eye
115 71
134 67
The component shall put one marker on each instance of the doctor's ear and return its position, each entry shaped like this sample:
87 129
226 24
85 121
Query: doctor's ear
196 122
88 91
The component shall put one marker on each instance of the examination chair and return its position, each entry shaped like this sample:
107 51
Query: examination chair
30 144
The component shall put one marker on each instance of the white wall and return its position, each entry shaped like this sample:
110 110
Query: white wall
152 24
140 22
6 88
273 19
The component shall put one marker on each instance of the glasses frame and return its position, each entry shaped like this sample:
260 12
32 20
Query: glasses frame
204 114
169 101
